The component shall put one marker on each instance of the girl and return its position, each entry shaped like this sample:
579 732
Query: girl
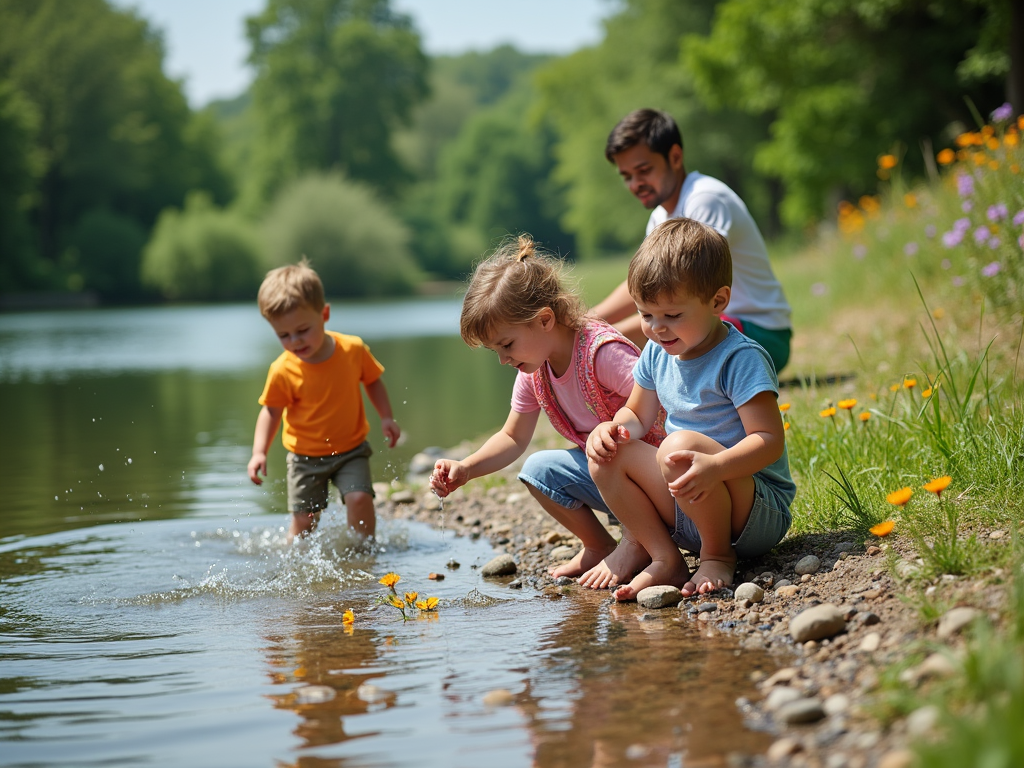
577 369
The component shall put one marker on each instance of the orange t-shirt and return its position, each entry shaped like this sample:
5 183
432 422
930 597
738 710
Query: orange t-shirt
323 407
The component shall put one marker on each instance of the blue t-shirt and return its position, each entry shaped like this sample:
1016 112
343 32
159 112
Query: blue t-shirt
701 395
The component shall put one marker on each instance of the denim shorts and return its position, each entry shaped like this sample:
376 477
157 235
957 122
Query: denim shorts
308 477
769 520
563 476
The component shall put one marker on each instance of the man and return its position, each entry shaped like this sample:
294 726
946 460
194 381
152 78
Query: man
647 148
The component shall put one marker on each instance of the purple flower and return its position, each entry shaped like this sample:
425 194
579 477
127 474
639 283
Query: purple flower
1004 112
1019 218
961 225
991 269
966 206
964 184
946 264
819 289
1020 242
930 230
957 281
994 242
952 238
860 251
997 212
981 235
910 249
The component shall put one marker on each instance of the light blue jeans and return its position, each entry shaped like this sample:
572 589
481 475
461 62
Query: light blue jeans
563 477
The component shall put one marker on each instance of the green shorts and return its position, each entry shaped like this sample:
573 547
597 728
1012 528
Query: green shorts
308 477
775 342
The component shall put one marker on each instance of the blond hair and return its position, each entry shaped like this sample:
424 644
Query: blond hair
680 254
287 288
513 286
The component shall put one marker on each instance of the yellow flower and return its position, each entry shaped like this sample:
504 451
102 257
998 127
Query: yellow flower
993 164
910 200
783 407
869 203
1020 122
410 597
348 617
926 392
887 161
395 600
938 313
828 412
979 158
938 485
992 143
785 426
390 579
962 154
894 387
909 383
965 139
946 157
900 497
864 416
847 405
1011 139
427 605
883 529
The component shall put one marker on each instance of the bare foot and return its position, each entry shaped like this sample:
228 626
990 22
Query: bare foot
656 574
585 560
709 576
628 558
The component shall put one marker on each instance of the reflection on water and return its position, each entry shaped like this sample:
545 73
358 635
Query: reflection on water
151 612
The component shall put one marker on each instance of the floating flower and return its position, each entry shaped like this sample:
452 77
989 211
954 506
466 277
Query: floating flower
784 407
827 413
883 529
910 383
991 269
938 485
847 405
427 605
864 416
1002 112
946 157
390 579
348 617
900 497
887 162
410 597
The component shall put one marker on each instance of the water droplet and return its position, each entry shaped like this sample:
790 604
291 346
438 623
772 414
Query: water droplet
129 461
101 467
55 498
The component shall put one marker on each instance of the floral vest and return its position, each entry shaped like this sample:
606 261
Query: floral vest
601 402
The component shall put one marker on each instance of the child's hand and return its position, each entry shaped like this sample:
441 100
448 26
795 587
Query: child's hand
447 476
699 475
257 464
602 443
391 431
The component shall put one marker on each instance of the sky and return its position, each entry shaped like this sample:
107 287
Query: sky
206 46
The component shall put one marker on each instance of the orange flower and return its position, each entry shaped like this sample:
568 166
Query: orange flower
910 200
1011 139
965 139
883 529
783 407
909 383
992 143
887 161
785 427
427 605
390 579
827 413
946 156
847 405
1020 122
894 387
410 597
900 497
348 617
938 485
926 392
864 416
395 600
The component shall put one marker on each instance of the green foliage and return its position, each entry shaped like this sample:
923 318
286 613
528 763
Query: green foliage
835 80
105 255
334 79
353 241
202 254
19 171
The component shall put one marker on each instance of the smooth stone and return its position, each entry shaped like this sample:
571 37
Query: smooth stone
801 711
955 620
750 591
381 489
372 694
784 747
807 565
836 704
781 695
662 596
871 642
563 553
314 694
499 697
787 591
907 570
897 758
782 676
707 607
516 498
937 665
997 534
402 497
816 623
922 721
502 565
422 463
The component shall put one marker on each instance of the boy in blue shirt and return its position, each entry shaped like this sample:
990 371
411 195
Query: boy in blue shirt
719 485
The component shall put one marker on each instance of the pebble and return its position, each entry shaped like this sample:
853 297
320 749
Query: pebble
906 569
780 696
314 694
659 596
787 591
452 564
807 565
707 607
502 565
750 591
955 620
563 553
836 704
636 752
897 758
402 497
868 619
435 576
816 623
922 720
872 551
516 498
499 697
805 578
871 642
782 583
515 584
937 665
997 534
801 710
782 676
784 747
372 694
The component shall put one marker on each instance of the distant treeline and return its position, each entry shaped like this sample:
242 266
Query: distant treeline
386 167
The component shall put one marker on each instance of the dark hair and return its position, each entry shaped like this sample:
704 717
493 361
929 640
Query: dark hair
654 128
681 254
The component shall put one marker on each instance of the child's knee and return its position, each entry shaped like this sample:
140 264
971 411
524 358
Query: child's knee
358 499
683 440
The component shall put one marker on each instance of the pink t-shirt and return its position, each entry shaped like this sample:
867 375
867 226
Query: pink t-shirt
614 368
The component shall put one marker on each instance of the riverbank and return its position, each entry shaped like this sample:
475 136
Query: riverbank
830 703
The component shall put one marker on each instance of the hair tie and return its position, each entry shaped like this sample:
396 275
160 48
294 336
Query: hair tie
526 247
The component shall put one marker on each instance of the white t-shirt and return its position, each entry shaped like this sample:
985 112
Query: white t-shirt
756 293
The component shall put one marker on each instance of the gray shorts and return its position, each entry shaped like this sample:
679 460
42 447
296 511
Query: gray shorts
308 477
769 520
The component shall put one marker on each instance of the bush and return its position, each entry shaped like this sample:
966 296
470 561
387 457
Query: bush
357 246
202 254
106 250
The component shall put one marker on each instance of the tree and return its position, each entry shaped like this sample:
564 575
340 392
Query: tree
20 164
334 79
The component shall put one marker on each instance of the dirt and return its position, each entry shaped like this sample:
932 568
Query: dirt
837 678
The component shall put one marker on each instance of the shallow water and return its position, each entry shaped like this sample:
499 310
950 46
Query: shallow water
151 612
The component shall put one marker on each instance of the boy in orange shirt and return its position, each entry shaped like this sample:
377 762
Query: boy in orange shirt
314 387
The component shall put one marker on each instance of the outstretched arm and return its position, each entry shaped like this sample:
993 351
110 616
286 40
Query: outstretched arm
378 395
266 427
500 450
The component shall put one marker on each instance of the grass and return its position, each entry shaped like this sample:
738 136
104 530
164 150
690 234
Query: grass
918 293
